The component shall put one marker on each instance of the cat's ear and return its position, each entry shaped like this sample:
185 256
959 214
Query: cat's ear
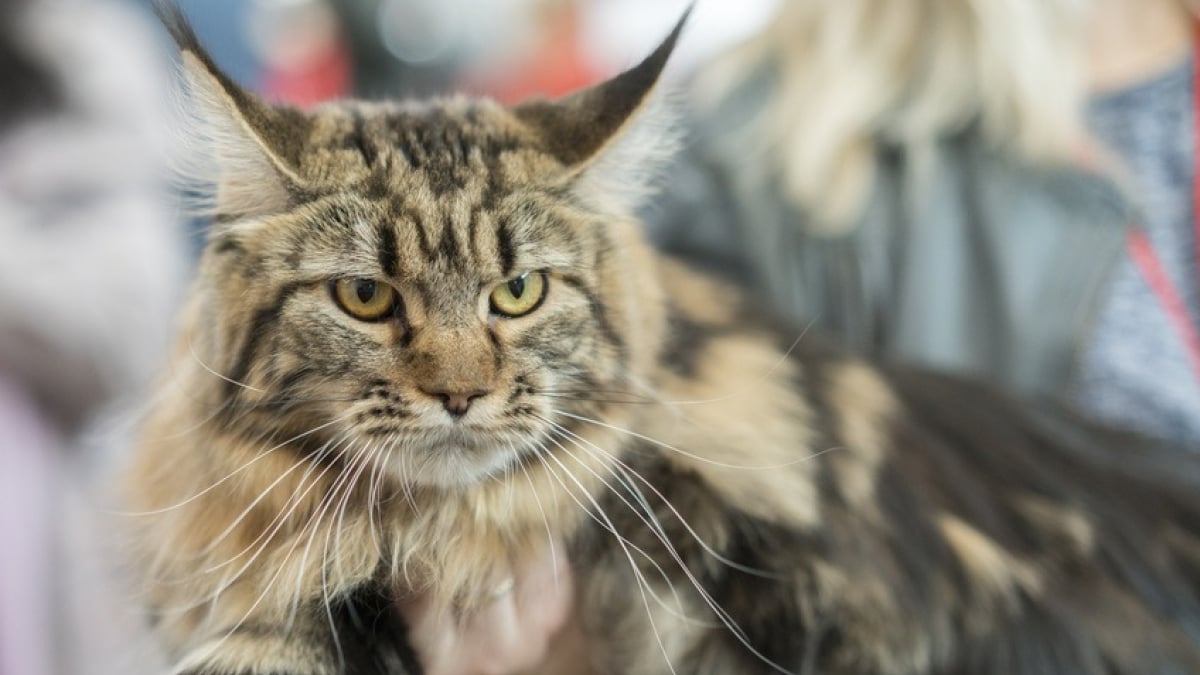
612 137
241 142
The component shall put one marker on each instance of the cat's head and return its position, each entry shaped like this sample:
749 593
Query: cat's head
434 283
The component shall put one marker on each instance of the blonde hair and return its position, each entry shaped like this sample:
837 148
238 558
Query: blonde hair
908 72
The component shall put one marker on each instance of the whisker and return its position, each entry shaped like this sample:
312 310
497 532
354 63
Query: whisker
271 531
655 528
210 488
357 465
312 462
374 508
291 504
278 522
268 533
716 608
282 402
625 468
593 399
621 541
319 514
205 366
538 500
783 358
300 575
685 453
201 654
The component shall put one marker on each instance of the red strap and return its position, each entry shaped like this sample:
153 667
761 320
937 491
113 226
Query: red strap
1196 140
1196 148
1142 252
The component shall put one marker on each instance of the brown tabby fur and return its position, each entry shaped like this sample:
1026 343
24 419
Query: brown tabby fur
734 500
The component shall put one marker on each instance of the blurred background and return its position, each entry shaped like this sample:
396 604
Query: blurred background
305 51
997 188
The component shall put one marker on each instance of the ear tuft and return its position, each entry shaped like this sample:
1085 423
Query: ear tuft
177 24
627 171
614 136
237 138
574 129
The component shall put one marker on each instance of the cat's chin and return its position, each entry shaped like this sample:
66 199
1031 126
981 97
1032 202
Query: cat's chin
459 474
456 462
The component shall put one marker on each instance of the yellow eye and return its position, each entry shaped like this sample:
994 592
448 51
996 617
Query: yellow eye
520 296
364 299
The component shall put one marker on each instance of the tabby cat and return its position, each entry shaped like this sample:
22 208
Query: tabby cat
428 339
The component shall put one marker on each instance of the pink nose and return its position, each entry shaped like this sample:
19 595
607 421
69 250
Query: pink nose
456 402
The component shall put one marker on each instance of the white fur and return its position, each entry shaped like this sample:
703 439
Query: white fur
223 162
627 169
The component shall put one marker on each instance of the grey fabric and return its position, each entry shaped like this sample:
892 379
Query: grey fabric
1135 368
993 269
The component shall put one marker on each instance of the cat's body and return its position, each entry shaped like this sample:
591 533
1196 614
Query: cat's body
368 400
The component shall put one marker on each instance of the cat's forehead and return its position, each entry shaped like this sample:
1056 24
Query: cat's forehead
446 148
454 187
422 194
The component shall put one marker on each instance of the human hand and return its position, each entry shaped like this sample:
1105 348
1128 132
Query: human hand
509 635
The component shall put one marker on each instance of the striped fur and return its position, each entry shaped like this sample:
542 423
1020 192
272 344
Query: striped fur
735 499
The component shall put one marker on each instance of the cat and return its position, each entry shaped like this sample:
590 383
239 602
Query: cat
428 339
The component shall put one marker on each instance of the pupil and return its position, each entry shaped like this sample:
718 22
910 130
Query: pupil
516 287
365 288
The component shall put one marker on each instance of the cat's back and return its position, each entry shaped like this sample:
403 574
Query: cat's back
1012 536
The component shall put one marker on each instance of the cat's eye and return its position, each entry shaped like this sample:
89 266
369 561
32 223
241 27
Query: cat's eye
519 296
364 299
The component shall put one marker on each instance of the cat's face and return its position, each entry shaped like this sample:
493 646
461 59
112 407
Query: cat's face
440 298
438 287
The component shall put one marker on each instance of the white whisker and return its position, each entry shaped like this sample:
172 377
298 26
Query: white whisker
205 366
752 384
646 505
659 533
351 474
541 509
312 522
720 612
210 488
685 453
621 541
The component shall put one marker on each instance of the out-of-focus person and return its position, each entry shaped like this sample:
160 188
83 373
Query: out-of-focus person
551 63
90 260
1003 188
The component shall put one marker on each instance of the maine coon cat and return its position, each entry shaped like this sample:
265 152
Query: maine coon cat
426 339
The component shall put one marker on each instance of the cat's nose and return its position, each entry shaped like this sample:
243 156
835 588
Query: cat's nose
457 402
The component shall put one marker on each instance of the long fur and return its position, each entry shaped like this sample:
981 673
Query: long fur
736 496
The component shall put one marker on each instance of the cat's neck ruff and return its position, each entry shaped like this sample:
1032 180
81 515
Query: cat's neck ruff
455 543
